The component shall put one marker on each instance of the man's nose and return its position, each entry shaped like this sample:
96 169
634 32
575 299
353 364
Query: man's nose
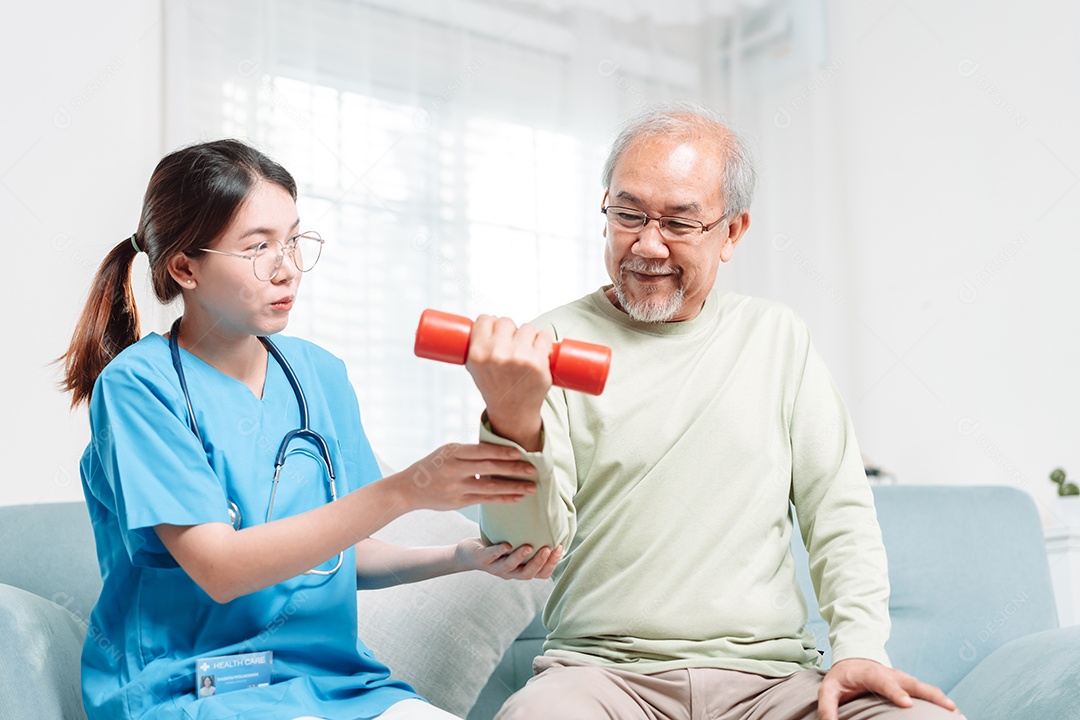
650 243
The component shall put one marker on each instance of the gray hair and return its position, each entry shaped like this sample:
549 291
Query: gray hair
693 120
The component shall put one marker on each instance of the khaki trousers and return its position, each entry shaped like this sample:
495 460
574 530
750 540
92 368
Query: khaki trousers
566 690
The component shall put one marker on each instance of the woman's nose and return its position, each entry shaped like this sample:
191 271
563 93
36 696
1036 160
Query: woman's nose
287 270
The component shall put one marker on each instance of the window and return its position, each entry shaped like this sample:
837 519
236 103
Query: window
442 152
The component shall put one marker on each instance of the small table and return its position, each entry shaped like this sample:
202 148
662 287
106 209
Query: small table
1063 552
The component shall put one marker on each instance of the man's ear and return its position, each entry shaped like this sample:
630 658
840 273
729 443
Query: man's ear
182 270
603 203
735 230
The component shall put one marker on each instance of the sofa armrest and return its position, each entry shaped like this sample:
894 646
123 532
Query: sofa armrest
1035 677
40 658
58 538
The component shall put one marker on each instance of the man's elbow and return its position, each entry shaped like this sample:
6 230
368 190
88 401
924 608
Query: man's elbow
528 523
493 534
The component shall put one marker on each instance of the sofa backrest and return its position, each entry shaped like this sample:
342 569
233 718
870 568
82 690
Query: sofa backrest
968 571
48 549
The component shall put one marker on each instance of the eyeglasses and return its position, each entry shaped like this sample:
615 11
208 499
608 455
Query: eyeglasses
266 259
672 228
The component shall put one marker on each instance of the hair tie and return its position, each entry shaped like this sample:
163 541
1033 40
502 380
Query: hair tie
134 244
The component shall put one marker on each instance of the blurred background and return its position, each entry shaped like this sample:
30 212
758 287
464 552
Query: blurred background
918 204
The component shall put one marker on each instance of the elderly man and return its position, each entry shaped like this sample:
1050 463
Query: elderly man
676 597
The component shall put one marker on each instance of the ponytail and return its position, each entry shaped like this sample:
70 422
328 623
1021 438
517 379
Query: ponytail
193 195
108 324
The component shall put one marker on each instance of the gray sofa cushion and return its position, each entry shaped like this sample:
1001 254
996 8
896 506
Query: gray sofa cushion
445 636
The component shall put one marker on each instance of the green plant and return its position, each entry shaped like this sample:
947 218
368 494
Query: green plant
1064 487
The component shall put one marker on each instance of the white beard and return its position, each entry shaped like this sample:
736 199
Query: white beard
644 310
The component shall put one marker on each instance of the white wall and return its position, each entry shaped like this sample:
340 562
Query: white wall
919 207
81 133
964 196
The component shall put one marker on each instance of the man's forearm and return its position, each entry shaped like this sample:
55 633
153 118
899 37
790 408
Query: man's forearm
526 430
544 519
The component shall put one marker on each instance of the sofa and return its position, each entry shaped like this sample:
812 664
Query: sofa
972 609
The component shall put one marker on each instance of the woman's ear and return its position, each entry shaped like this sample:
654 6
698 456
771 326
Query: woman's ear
182 270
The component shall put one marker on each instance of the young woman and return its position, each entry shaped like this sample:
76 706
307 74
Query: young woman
229 480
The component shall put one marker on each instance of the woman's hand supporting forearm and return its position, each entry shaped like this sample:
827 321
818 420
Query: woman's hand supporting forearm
381 564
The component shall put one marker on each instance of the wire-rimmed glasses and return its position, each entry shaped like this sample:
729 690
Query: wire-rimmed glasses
304 249
671 227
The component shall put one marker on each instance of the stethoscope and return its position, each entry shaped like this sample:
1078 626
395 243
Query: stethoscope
304 431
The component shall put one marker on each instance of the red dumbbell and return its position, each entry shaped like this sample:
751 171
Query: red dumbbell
575 365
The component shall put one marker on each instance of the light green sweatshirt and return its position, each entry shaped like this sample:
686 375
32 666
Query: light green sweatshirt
670 493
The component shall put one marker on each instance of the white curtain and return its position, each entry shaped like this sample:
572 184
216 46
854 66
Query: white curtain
450 153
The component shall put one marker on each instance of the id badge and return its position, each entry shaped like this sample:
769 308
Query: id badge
216 675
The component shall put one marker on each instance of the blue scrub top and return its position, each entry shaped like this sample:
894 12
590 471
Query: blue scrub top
144 466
